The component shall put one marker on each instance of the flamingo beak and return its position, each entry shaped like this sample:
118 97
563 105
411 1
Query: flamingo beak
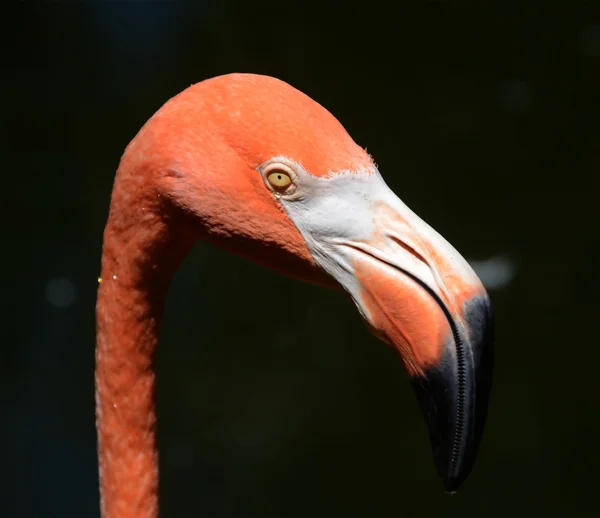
418 294
415 292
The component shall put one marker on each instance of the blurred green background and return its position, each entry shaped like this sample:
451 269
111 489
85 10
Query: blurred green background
483 117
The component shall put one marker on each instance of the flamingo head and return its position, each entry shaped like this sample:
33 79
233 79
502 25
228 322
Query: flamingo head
265 171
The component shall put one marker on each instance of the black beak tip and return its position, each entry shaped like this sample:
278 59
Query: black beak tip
454 396
452 484
453 476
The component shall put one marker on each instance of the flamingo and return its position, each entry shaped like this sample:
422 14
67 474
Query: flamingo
250 164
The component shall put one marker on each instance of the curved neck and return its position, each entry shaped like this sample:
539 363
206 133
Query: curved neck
140 255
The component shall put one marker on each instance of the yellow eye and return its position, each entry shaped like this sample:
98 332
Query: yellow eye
280 177
279 180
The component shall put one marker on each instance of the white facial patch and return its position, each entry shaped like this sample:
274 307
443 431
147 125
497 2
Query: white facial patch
349 213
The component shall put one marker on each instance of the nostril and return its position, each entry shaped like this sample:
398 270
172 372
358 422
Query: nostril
409 249
437 277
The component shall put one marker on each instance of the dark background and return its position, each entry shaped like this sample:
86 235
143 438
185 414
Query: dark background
483 118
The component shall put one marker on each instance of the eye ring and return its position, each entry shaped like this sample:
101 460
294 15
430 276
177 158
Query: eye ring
281 178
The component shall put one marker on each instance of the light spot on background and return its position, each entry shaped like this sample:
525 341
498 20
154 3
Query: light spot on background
496 272
60 292
516 96
590 41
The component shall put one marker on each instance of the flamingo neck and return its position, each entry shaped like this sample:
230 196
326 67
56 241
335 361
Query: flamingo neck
140 255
